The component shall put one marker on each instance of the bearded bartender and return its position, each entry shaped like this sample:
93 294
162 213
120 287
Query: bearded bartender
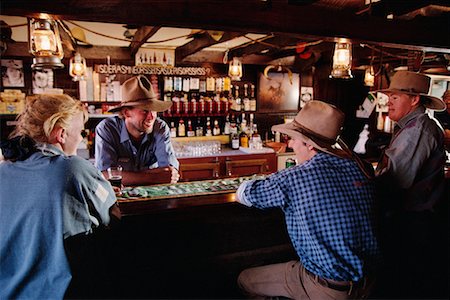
137 139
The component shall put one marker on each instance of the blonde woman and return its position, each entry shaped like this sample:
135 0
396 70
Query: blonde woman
47 195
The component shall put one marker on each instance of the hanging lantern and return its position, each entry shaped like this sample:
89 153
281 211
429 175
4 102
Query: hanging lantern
369 76
77 67
45 44
235 69
342 61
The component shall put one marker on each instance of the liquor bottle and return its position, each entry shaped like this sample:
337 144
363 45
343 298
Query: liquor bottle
194 84
237 99
253 99
176 107
225 105
216 129
234 141
173 130
210 84
226 129
219 84
246 100
177 84
243 139
199 128
168 84
208 127
193 105
231 101
181 128
256 138
250 124
185 102
186 85
190 131
202 86
217 104
243 123
201 104
233 125
227 84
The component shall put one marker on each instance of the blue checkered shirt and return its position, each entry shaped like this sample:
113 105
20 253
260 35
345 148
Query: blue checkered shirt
328 207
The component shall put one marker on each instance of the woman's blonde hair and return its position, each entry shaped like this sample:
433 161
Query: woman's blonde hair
43 112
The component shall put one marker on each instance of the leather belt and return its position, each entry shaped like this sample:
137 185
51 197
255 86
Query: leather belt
342 286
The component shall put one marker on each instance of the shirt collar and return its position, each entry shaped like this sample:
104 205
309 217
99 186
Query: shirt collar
412 115
50 150
125 136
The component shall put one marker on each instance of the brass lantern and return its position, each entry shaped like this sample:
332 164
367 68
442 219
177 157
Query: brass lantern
235 69
45 44
369 76
342 60
77 67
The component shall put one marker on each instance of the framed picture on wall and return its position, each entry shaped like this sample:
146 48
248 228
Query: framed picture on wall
277 92
42 80
12 73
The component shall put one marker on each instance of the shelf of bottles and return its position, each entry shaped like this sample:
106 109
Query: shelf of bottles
210 106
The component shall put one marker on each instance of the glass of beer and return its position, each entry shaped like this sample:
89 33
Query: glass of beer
115 176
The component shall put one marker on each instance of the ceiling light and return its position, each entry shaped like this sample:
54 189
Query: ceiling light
45 44
235 69
342 61
77 67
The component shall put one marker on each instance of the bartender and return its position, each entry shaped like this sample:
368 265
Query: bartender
137 139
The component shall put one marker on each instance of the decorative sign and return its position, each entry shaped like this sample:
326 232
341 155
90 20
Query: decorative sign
147 70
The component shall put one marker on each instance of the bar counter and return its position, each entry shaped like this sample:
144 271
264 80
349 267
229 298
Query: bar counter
181 246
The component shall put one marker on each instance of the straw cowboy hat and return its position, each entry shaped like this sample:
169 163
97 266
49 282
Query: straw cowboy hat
79 35
411 83
138 92
318 124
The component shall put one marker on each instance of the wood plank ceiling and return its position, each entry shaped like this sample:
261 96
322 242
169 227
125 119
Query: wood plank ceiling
296 31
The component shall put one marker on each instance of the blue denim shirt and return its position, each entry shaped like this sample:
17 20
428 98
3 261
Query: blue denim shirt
43 199
113 147
412 167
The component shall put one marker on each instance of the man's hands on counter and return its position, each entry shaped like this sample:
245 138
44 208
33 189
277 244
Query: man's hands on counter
175 175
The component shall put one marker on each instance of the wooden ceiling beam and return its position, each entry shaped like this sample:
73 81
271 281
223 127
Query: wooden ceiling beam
141 36
256 48
430 34
201 41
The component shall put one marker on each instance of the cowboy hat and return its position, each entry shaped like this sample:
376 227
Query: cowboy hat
137 91
411 83
79 35
318 124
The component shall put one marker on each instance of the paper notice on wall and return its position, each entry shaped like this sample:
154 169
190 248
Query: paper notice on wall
366 108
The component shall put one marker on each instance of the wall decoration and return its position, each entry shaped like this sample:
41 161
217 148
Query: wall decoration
306 95
276 93
42 80
12 73
155 57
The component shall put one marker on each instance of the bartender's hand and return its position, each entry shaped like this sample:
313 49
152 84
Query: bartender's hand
175 175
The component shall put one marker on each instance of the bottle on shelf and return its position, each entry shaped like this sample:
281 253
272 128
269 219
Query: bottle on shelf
253 99
201 104
186 85
193 104
176 106
210 84
173 130
177 84
185 104
227 84
190 131
208 127
246 100
226 129
234 141
233 125
199 128
243 139
216 129
181 128
237 99
202 86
